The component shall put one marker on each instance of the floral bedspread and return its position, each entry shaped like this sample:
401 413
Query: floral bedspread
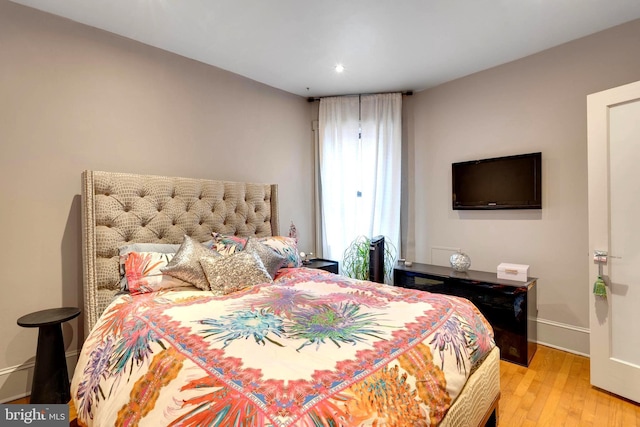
310 349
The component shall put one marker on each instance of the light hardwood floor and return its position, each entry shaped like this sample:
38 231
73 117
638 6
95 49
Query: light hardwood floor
553 391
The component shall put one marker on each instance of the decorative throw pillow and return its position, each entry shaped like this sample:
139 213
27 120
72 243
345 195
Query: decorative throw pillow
124 251
185 264
271 260
285 246
227 245
227 274
143 272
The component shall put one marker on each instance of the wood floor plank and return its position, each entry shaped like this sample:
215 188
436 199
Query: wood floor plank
630 417
525 383
548 368
602 411
589 409
552 409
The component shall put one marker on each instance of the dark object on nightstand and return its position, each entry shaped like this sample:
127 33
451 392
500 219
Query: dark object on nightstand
50 376
323 264
376 259
509 306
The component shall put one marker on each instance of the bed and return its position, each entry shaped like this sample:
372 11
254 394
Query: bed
224 333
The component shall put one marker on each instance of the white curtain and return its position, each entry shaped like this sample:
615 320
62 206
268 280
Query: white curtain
359 175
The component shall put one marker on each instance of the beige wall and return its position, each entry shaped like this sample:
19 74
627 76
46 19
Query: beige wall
75 98
534 104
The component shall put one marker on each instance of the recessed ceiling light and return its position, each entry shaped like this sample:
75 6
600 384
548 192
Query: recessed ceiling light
339 68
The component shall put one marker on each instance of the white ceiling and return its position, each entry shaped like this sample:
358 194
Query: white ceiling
385 45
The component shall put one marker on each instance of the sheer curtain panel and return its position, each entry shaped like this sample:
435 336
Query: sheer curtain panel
339 146
360 160
381 127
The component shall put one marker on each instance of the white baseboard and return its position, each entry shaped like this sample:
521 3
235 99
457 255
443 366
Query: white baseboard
15 381
561 336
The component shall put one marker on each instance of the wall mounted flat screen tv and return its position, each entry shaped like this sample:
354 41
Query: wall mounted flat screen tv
512 182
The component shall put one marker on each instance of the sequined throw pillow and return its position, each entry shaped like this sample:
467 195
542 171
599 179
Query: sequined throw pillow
185 265
231 273
271 259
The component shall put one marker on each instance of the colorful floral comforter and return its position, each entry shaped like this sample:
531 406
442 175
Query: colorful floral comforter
310 349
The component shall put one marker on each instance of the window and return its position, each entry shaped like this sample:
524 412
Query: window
359 161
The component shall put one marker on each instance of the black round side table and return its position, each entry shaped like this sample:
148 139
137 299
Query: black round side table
50 376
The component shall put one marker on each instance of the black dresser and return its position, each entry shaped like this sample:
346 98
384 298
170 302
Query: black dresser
509 306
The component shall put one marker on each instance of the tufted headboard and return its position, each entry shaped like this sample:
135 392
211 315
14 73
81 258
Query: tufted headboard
119 208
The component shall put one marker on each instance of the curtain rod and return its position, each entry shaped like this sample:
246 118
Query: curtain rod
318 98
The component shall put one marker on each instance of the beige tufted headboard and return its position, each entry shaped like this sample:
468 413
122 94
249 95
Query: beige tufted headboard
119 208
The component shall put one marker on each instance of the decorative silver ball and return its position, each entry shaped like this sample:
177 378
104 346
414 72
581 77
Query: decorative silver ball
460 261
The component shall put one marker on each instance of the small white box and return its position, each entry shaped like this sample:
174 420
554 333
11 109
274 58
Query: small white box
518 272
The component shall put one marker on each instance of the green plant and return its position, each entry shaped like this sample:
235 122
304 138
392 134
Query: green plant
355 262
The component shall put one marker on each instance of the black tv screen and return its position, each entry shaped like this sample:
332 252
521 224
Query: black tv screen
512 182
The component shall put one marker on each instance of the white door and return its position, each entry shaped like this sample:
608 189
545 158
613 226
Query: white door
614 226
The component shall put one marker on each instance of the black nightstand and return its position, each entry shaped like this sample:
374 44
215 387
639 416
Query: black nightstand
50 377
322 264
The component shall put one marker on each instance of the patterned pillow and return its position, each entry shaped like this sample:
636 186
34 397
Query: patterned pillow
143 272
227 274
227 245
271 259
124 252
285 246
185 264
161 248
